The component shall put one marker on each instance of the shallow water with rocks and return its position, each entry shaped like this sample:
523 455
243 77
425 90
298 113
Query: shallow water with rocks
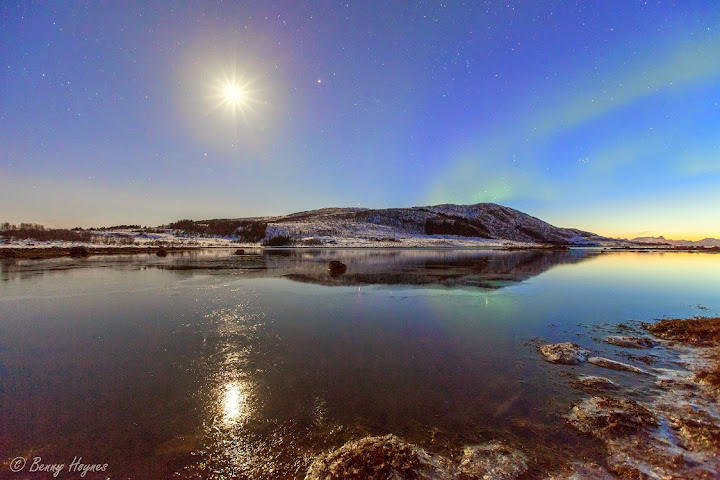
213 365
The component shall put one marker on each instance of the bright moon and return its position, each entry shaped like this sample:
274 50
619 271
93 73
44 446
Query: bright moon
233 94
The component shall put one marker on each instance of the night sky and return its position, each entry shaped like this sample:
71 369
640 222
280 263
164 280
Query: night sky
598 115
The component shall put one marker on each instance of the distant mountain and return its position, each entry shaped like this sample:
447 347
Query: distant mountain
661 240
417 226
655 240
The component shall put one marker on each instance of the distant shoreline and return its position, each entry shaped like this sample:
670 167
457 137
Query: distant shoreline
51 251
40 253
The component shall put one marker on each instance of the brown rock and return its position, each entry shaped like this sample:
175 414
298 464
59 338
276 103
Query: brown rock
631 342
697 428
492 461
386 457
602 416
594 383
567 353
582 471
701 332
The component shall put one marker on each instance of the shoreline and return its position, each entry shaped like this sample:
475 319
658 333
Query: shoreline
41 252
667 429
670 429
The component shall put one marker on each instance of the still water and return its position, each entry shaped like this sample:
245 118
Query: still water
210 365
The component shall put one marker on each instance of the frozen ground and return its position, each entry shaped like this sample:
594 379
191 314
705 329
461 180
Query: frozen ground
378 237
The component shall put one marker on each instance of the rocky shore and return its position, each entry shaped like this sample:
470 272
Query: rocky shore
669 430
82 251
389 457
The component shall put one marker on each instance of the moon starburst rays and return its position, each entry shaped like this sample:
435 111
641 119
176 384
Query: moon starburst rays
235 96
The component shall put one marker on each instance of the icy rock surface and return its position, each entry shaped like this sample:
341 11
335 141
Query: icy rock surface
389 457
492 461
567 353
614 365
581 471
602 415
593 382
631 342
386 457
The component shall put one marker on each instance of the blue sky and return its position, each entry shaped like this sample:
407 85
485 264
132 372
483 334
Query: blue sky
598 115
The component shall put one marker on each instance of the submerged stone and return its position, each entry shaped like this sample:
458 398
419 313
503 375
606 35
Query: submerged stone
492 461
386 457
582 471
631 342
592 382
239 251
566 353
614 365
180 445
602 416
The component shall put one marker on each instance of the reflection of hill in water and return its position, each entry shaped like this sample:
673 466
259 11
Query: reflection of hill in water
472 268
475 268
484 269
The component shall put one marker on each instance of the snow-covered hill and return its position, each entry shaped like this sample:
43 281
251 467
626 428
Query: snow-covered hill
479 225
438 225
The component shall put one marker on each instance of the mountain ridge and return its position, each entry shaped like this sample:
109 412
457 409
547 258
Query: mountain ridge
480 223
661 240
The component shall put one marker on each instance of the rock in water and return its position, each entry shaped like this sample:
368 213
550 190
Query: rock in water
567 353
386 457
239 251
492 461
699 332
698 429
161 252
592 382
79 251
613 365
583 471
602 416
631 342
337 268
